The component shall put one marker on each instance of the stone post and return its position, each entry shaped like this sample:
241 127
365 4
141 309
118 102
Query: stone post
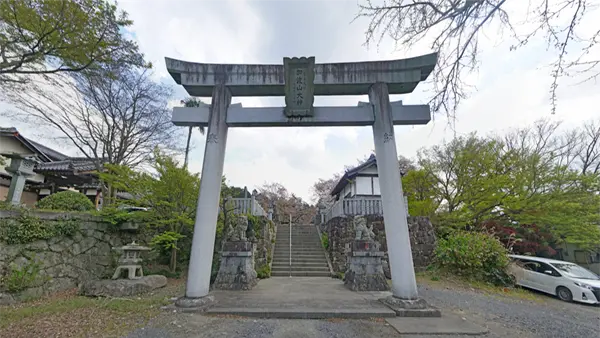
237 267
20 168
198 281
405 300
365 270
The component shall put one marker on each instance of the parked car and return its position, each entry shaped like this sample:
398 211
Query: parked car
568 281
129 208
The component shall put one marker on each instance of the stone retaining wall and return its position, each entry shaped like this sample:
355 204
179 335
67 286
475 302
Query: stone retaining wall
340 231
64 262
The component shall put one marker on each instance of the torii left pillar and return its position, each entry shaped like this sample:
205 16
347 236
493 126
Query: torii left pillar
207 212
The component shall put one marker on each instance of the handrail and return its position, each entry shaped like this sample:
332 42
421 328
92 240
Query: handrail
290 269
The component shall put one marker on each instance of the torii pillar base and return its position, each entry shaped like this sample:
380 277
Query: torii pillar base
200 304
411 308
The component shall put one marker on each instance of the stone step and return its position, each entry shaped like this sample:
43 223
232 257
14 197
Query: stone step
302 255
298 240
299 253
298 247
310 313
280 274
307 252
283 265
295 272
298 268
286 260
299 261
311 274
286 237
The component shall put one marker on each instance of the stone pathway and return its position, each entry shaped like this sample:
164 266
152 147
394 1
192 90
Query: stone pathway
301 297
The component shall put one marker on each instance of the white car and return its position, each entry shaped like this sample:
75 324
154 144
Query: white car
566 280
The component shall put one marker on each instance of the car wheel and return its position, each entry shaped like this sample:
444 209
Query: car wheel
564 294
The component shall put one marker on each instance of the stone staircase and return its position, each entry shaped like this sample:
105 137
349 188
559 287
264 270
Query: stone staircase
308 255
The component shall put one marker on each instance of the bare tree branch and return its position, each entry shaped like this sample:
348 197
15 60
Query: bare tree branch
455 26
109 118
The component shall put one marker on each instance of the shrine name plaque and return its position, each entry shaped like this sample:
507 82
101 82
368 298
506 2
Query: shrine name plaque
299 86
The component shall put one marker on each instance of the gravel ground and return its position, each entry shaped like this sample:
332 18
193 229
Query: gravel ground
198 326
506 316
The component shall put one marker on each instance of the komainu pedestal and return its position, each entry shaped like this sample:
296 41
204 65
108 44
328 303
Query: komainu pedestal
365 271
237 267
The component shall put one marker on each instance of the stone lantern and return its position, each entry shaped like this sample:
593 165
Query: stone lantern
20 168
130 261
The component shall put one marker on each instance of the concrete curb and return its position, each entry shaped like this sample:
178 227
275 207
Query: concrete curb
274 313
446 325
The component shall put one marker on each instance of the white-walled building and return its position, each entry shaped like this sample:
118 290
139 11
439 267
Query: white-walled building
357 192
361 181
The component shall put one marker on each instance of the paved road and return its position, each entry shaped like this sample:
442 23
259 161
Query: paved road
504 317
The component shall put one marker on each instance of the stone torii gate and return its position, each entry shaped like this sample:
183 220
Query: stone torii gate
299 79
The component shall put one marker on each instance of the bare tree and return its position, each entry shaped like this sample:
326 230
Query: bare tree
455 26
286 204
405 164
588 156
117 116
321 190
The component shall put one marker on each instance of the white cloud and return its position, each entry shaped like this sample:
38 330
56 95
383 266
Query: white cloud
512 87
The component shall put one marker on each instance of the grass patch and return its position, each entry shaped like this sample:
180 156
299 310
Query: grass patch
69 315
445 280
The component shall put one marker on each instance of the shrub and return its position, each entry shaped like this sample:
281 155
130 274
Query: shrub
524 239
325 241
473 255
263 272
66 201
20 278
155 269
28 228
254 226
338 275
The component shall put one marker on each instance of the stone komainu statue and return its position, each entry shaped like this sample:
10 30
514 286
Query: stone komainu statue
238 232
362 231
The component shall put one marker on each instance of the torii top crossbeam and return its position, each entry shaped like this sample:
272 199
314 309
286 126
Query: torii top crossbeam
351 78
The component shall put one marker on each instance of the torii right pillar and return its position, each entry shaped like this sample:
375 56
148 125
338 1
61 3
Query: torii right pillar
405 299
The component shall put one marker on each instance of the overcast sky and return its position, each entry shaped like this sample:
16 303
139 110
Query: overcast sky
512 88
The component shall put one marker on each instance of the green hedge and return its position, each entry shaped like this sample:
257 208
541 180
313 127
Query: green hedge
27 228
66 201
